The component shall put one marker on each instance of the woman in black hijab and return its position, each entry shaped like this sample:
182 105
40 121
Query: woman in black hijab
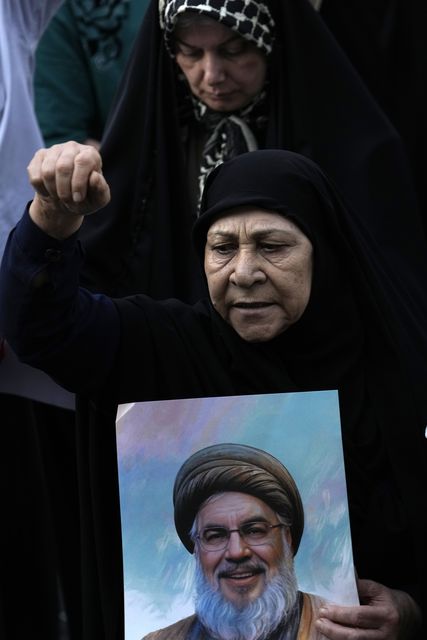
156 142
361 330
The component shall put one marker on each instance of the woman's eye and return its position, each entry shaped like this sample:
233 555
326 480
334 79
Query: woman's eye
232 52
271 248
224 249
235 49
187 52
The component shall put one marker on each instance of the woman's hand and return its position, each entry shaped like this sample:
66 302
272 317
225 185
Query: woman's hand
384 614
69 184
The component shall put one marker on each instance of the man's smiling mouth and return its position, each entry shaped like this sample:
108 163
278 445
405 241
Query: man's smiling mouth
241 575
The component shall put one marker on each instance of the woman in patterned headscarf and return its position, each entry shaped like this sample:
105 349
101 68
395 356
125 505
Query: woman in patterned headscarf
221 50
166 131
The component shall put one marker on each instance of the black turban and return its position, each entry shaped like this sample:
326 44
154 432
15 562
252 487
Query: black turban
235 467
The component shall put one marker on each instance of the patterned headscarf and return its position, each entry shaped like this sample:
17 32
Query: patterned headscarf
249 18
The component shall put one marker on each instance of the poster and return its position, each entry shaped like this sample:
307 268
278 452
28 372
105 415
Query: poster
302 430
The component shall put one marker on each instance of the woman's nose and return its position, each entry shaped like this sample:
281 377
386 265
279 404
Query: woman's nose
247 270
214 70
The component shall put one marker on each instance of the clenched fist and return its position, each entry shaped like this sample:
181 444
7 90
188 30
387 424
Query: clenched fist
69 184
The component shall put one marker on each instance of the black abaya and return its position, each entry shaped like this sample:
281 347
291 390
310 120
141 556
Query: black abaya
385 41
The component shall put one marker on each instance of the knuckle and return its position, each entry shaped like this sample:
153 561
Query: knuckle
64 166
70 145
359 615
40 153
87 156
48 173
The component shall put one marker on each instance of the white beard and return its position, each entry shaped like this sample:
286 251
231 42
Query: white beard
254 621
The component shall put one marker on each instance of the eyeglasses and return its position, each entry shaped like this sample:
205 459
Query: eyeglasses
252 533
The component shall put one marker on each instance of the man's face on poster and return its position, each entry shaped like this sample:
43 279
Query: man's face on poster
241 546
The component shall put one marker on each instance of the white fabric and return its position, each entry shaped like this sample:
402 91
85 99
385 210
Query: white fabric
22 23
246 132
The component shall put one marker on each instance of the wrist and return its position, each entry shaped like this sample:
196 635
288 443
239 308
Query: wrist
51 218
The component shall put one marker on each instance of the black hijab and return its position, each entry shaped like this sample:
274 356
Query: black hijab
316 105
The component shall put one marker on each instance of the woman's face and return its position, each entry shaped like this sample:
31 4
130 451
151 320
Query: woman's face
258 266
223 70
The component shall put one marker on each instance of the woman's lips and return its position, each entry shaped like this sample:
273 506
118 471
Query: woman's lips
251 308
252 305
219 96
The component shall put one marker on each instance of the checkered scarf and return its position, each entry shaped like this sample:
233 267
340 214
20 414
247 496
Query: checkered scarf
229 135
249 18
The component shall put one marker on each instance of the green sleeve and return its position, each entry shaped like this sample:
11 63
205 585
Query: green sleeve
65 100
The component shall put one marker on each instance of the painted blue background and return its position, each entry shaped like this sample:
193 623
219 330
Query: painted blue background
154 438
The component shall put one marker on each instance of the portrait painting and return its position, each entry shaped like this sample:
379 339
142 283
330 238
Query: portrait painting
160 444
